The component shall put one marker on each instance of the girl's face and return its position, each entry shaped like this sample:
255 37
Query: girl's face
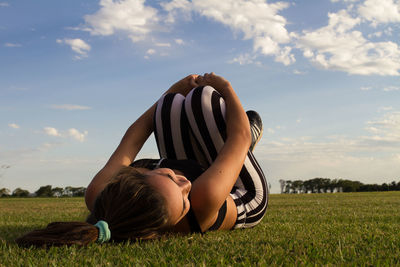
175 189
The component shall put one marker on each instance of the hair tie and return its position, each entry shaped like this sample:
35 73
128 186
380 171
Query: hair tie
104 231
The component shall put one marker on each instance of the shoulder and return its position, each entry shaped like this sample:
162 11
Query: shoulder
222 220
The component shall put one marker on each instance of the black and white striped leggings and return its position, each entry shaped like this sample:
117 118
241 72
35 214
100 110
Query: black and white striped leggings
194 128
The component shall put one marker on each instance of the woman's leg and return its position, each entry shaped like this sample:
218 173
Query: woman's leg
172 131
205 110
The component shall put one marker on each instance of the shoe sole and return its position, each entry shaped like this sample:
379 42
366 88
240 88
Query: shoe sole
258 139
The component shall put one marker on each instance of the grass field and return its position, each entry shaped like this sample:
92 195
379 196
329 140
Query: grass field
317 229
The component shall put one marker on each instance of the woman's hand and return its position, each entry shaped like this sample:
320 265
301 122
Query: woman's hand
218 82
191 81
185 85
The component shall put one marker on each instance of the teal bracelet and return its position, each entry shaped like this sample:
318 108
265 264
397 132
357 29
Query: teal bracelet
104 232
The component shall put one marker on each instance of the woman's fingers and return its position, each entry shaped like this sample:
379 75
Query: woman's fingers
192 82
207 76
200 80
218 82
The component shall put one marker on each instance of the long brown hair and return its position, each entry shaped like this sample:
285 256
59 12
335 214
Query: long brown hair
132 208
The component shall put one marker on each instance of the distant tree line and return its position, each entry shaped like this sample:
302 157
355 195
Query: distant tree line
45 191
326 185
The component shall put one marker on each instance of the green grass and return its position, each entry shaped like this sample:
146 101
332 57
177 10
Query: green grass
319 229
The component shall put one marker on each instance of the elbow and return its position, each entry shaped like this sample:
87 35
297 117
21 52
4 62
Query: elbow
245 136
241 137
89 198
92 192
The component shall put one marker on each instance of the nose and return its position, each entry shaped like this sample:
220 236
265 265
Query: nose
184 184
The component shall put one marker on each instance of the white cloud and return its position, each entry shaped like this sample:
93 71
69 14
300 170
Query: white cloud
338 47
306 160
46 146
52 131
73 28
128 16
150 51
366 88
388 31
179 41
380 11
70 107
163 44
346 1
384 136
299 72
4 4
305 149
77 45
13 125
74 133
385 108
375 34
366 158
386 130
391 88
177 8
245 59
12 45
256 19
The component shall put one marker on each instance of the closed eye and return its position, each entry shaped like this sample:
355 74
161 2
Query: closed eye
184 203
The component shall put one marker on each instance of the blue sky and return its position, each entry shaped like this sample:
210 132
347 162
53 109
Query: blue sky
324 75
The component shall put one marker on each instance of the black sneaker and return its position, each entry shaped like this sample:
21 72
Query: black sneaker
256 127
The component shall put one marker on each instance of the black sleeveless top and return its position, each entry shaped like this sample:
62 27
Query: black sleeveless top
191 170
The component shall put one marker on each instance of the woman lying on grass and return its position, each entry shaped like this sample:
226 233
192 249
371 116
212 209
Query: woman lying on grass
207 177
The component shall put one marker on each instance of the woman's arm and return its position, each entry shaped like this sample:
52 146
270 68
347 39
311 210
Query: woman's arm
212 188
129 147
131 143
